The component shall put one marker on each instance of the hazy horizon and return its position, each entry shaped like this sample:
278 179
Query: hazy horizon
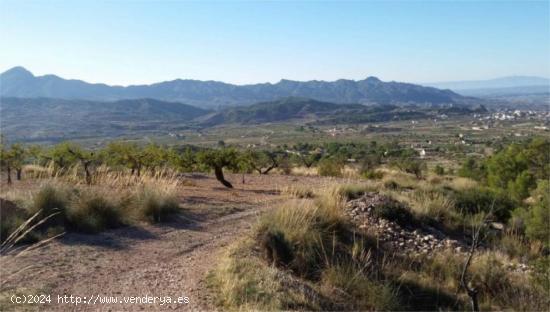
131 43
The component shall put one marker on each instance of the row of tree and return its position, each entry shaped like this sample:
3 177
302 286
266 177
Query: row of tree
151 157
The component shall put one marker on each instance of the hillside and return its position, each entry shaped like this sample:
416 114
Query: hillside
40 118
19 82
293 108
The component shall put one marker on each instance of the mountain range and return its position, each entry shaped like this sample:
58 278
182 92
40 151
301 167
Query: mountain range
19 82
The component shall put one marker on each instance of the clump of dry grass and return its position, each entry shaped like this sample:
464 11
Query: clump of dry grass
307 238
298 191
112 199
155 203
461 184
243 281
351 278
93 212
354 190
431 203
305 171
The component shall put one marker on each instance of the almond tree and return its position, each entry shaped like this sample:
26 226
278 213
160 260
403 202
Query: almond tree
19 154
6 162
219 159
125 154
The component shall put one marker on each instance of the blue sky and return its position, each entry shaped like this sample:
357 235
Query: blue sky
134 42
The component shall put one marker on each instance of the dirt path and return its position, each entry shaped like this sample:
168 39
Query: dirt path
171 259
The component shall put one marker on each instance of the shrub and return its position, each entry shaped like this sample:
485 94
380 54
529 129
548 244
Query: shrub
391 185
49 199
11 217
330 168
483 199
432 203
154 205
306 228
439 170
410 165
92 213
373 174
537 225
541 272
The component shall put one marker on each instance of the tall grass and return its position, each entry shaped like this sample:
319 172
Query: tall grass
155 204
112 199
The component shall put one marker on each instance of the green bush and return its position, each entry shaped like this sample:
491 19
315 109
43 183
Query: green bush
484 199
541 273
537 223
410 165
373 174
330 168
439 170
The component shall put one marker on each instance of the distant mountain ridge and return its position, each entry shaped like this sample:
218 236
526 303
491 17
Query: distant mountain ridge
497 83
19 82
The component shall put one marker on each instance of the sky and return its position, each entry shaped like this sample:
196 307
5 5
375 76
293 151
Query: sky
140 42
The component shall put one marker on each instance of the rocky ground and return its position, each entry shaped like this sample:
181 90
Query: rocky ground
413 239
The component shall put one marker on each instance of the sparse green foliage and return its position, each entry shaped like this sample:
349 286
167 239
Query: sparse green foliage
329 167
125 155
472 201
410 165
538 219
439 170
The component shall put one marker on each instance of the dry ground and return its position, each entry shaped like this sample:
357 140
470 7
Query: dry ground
170 259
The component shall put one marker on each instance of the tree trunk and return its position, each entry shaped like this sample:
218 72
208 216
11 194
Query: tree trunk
18 171
9 174
88 176
218 171
266 171
243 179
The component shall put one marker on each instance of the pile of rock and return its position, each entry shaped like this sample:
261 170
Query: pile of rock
418 240
411 240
